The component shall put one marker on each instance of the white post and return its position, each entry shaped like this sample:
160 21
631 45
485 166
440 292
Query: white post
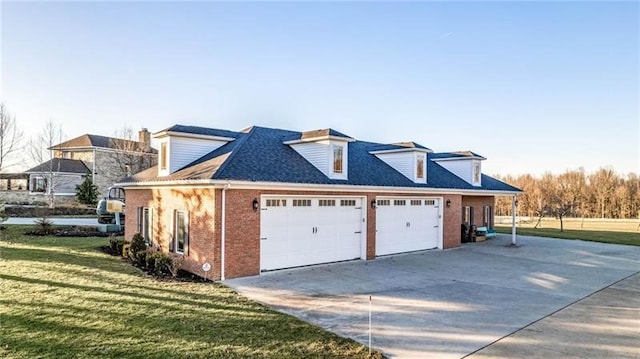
513 221
369 325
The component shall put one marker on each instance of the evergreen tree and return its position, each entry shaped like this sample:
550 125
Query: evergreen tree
87 192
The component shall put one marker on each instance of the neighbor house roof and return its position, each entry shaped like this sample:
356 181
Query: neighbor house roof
60 165
89 141
261 155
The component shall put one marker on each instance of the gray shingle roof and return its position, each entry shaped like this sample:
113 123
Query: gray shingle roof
60 165
261 155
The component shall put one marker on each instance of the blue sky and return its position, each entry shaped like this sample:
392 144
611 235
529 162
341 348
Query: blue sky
532 86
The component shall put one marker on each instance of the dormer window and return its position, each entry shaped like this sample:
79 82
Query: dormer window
476 172
420 167
337 159
327 150
163 156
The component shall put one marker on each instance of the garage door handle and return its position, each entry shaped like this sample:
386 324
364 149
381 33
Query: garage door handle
408 224
358 232
263 238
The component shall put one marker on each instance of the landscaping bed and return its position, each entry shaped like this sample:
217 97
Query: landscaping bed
38 211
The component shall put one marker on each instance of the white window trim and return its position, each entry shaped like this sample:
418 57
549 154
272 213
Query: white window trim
186 231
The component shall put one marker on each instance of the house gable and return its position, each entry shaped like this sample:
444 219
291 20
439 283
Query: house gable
464 164
408 158
327 150
181 145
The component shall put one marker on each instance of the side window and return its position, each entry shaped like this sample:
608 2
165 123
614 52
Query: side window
337 159
147 225
181 232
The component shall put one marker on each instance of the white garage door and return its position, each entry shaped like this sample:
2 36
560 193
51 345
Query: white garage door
407 224
298 231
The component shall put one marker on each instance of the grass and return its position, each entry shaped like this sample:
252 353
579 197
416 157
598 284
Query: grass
605 231
63 298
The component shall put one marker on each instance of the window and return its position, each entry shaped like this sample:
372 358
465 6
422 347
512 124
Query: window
420 167
327 203
430 202
147 225
302 203
276 202
38 184
416 202
487 217
181 232
467 215
337 159
384 202
163 156
399 202
476 172
348 202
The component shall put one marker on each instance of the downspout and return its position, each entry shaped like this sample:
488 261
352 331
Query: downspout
223 229
514 205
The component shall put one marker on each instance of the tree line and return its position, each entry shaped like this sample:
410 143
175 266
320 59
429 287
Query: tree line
574 193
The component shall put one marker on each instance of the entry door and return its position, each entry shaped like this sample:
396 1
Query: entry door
298 231
406 224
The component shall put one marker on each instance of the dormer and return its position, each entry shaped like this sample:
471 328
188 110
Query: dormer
327 150
464 164
408 158
180 145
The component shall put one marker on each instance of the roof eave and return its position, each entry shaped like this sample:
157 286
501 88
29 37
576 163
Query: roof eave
162 134
313 187
406 149
320 138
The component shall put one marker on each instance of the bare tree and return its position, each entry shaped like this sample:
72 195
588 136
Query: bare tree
10 136
43 152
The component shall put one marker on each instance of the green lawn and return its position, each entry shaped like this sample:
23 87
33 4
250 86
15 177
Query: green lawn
63 298
632 238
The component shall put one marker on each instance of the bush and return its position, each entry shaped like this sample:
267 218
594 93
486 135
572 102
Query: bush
115 244
138 250
44 226
87 192
162 264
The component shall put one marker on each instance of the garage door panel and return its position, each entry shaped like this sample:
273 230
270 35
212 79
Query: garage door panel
405 225
315 230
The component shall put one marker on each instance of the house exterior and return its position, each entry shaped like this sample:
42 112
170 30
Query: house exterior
106 159
263 199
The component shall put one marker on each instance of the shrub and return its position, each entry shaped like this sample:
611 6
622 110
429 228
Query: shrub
87 192
44 225
115 244
138 250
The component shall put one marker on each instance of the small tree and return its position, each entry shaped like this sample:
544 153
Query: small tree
87 192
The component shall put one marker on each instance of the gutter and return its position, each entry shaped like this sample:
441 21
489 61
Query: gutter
314 187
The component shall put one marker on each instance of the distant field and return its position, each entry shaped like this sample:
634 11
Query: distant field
590 224
597 230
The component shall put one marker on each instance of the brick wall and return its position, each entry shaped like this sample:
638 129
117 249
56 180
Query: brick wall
452 221
200 203
477 202
242 244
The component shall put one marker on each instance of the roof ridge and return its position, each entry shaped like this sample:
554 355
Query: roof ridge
235 150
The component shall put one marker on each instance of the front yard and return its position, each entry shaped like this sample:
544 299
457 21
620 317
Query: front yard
64 298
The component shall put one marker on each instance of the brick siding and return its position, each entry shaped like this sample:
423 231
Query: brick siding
242 243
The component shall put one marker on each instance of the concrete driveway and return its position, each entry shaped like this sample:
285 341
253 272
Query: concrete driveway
448 304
